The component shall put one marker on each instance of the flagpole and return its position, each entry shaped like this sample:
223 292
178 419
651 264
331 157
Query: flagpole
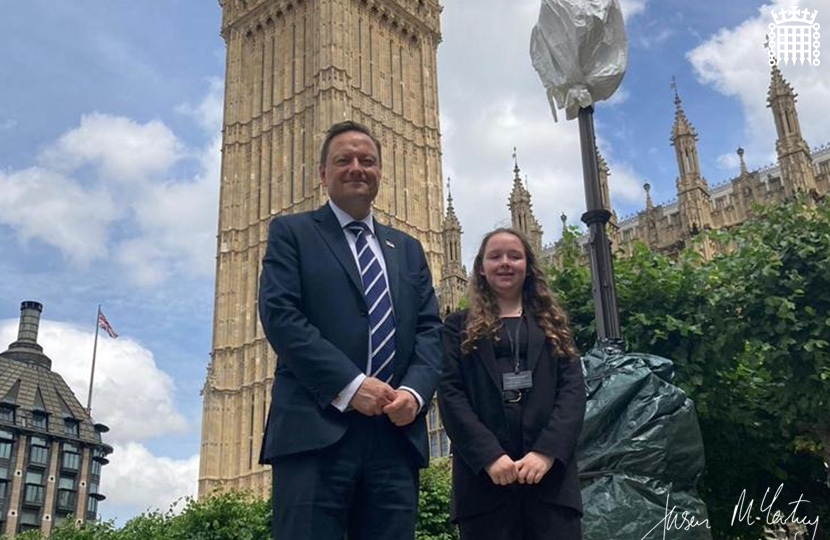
92 372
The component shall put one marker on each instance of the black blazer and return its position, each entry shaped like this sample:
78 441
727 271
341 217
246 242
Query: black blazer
314 314
472 410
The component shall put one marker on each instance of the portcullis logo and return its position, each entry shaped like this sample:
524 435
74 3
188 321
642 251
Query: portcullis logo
794 37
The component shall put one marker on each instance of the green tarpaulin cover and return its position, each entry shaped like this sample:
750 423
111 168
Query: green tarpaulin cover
640 453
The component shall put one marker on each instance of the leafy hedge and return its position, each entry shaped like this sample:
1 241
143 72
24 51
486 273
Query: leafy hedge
749 332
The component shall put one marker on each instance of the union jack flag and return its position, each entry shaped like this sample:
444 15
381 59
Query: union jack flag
104 324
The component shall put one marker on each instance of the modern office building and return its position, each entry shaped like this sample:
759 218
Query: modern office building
51 452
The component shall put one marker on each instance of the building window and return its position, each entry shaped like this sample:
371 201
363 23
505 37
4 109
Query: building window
95 470
40 420
7 413
5 449
38 451
71 459
92 508
33 494
70 427
29 519
4 491
67 497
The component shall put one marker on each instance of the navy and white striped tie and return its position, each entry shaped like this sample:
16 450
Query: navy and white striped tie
379 302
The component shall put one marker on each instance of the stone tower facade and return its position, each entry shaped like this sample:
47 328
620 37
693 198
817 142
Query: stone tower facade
797 172
293 68
521 212
604 172
693 196
453 285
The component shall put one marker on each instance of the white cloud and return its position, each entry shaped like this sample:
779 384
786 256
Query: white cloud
122 149
631 8
178 224
131 394
208 113
45 205
734 63
620 96
137 478
110 185
729 162
625 185
649 41
135 399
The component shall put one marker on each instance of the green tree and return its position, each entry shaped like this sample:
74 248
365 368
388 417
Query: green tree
434 503
749 332
227 516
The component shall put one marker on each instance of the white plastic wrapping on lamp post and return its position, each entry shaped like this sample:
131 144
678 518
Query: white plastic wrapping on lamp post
580 51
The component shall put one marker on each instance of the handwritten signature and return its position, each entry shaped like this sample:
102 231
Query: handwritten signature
682 521
743 512
768 514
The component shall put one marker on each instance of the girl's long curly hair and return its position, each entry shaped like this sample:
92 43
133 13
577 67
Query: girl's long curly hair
537 299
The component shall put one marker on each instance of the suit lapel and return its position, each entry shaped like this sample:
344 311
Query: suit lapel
535 342
334 238
391 258
488 358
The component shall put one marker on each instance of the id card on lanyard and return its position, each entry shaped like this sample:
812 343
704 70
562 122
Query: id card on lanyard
518 379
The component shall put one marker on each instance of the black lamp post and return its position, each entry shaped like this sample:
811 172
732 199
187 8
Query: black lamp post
596 217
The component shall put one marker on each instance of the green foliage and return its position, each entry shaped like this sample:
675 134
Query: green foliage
89 531
221 516
749 332
434 503
28 535
242 516
229 516
571 281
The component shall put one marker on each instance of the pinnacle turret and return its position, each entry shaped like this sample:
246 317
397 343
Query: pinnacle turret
794 160
682 126
521 209
453 274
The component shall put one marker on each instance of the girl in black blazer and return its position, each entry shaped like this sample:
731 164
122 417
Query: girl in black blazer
512 400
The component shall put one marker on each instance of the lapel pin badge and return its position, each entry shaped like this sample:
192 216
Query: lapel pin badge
390 244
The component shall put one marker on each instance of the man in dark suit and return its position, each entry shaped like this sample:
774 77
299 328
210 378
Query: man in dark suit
349 308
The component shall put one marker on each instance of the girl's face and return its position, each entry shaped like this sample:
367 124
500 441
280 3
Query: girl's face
504 265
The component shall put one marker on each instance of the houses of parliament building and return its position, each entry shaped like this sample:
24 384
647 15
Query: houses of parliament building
293 68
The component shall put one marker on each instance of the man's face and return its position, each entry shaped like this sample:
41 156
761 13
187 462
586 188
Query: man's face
351 173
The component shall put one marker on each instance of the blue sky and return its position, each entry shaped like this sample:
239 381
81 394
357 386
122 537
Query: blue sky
110 117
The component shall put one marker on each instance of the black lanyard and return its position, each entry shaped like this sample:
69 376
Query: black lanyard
514 342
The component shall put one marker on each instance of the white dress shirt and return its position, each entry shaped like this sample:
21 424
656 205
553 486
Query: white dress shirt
341 402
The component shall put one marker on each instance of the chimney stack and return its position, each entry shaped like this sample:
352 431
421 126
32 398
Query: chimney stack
29 321
26 348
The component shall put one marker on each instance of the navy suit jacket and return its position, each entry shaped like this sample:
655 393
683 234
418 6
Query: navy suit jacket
314 314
